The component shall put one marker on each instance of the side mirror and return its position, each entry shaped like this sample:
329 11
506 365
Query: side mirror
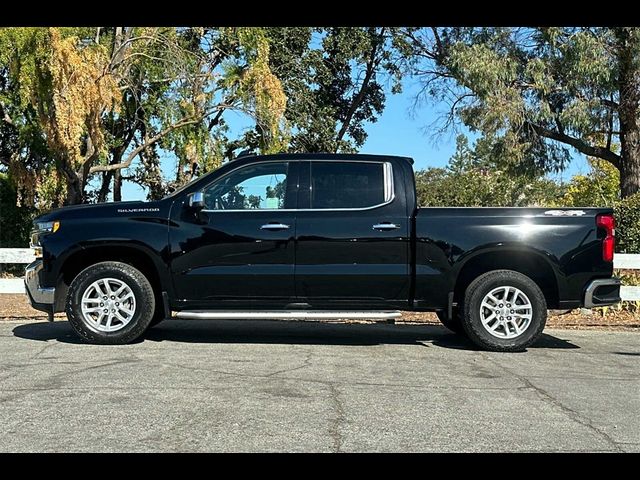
196 200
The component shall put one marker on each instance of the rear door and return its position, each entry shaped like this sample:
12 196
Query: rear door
352 235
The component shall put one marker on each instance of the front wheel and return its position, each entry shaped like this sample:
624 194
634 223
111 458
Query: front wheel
110 303
504 311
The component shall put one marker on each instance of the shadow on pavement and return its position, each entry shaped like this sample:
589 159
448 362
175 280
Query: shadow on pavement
286 332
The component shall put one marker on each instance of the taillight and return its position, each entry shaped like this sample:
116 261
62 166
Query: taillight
608 224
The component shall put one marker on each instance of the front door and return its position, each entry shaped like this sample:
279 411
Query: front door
352 248
239 250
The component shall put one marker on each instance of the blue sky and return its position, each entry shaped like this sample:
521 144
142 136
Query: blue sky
400 130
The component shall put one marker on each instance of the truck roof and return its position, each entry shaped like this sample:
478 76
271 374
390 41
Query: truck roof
325 156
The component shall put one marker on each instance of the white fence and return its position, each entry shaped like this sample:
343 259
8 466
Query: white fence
14 255
630 262
25 255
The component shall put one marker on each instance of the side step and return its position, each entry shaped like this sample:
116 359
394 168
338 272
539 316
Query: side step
286 315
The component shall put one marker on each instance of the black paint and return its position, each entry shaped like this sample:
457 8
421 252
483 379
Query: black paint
327 259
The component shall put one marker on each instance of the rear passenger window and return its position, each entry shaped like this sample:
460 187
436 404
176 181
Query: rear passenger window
349 184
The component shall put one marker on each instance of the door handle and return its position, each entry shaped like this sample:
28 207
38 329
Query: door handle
274 226
385 226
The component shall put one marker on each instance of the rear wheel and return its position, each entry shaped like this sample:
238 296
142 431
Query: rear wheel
504 311
454 324
158 316
110 303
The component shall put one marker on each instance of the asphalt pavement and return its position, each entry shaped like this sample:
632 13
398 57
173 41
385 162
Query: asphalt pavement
304 386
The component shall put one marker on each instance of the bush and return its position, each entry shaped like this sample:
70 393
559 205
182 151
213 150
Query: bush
627 213
15 222
599 188
483 187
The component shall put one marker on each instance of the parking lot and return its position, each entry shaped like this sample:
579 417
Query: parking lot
296 386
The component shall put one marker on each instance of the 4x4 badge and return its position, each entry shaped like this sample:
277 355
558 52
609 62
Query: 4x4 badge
565 213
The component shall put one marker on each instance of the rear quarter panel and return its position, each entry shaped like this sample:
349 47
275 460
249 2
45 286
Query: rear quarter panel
448 238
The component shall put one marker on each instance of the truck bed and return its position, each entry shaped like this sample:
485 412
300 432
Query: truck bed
561 245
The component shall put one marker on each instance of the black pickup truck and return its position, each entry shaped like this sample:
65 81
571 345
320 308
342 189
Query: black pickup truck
318 236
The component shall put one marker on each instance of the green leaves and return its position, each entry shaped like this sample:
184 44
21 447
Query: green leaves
472 179
627 215
99 99
333 80
534 93
599 188
15 222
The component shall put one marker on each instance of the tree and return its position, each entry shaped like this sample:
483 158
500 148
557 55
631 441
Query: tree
94 100
627 215
334 81
472 179
598 188
463 157
24 150
534 92
15 222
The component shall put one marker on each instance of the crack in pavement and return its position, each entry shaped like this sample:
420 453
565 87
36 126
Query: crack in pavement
54 381
43 349
338 419
9 366
305 363
587 377
550 399
327 382
213 388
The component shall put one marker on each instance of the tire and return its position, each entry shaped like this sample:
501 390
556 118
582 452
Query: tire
454 324
158 316
483 300
136 308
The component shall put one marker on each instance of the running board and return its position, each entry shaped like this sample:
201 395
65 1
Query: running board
286 315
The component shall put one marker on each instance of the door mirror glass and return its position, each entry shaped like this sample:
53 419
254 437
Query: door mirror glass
196 200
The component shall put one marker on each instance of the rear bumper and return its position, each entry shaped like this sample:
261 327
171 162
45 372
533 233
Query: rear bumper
602 292
42 299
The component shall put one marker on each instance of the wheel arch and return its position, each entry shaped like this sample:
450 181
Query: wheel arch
527 261
132 255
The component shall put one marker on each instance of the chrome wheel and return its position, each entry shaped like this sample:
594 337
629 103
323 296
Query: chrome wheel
108 305
506 312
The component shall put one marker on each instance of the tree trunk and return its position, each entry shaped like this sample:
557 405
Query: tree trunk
117 185
105 187
153 174
75 186
629 111
155 183
74 193
630 166
372 64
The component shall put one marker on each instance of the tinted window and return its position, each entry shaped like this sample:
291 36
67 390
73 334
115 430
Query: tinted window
347 184
254 187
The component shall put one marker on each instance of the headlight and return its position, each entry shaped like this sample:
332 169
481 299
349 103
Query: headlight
48 227
42 229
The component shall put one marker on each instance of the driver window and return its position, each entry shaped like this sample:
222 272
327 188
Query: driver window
254 187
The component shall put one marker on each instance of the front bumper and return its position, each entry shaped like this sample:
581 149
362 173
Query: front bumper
42 299
602 292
